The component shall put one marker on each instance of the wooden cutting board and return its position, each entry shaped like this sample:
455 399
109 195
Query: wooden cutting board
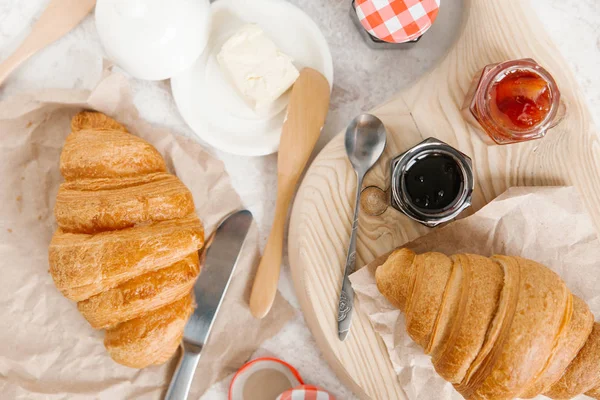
320 224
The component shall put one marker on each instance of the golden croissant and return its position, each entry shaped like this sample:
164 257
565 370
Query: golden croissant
496 328
126 247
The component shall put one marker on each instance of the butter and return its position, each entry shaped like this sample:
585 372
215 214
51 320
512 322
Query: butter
260 72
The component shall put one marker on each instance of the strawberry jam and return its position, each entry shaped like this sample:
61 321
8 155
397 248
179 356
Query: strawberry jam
520 100
513 101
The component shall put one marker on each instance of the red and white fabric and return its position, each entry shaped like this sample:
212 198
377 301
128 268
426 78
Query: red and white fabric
397 21
305 392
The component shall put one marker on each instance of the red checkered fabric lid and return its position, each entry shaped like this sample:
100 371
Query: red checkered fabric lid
397 21
305 392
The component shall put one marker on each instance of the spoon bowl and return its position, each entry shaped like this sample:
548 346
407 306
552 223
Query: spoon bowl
365 140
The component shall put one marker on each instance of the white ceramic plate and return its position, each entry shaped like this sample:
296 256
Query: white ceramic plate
211 106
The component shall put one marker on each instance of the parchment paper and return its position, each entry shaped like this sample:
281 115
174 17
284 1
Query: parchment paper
545 224
47 349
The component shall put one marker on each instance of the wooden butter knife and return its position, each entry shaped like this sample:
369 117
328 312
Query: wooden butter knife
305 118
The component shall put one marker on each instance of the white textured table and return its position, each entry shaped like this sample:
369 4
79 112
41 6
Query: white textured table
363 79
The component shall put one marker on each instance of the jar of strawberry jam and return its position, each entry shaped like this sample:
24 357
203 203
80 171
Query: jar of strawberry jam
514 101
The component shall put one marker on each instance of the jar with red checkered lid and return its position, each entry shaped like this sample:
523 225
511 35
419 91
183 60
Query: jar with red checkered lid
393 23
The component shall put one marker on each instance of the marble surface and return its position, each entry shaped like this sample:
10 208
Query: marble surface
363 79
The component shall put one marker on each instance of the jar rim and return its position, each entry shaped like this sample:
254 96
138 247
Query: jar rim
400 166
497 72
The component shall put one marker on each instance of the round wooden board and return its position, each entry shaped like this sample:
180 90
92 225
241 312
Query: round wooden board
320 223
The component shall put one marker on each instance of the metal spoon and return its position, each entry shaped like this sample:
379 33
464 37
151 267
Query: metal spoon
365 141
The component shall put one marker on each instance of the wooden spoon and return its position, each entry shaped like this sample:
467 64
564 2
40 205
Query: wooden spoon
57 20
306 114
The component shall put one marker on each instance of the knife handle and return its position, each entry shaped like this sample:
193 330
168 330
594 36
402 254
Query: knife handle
184 373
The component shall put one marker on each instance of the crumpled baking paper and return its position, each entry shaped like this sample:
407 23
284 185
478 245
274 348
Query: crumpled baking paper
546 224
47 349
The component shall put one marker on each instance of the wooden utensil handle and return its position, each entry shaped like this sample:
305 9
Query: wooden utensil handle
267 275
11 63
59 18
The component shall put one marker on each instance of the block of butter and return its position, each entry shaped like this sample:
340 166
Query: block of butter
260 72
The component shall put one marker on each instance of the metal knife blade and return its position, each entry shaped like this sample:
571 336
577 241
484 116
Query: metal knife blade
209 291
221 260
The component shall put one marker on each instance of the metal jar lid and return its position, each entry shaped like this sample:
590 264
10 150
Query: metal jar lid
402 163
393 23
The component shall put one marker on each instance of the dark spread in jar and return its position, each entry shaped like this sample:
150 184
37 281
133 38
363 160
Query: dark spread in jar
433 182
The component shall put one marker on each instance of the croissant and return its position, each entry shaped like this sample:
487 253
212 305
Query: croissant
496 328
126 247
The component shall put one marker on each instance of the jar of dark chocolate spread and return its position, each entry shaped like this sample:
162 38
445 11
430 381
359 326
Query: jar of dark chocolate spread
432 182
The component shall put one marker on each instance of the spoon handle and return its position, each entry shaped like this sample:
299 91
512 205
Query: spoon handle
346 303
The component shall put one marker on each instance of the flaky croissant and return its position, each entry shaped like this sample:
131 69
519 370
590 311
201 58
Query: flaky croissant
126 247
496 328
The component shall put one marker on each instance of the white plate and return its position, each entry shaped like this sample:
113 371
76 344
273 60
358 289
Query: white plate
211 106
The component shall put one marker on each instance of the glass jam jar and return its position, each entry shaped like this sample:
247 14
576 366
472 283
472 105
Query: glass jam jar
513 101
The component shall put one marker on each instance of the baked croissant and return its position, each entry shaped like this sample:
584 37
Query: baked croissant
126 247
496 328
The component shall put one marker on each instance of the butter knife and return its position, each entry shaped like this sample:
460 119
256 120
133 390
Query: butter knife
221 259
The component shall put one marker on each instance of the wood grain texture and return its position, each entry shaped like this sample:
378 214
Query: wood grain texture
493 31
